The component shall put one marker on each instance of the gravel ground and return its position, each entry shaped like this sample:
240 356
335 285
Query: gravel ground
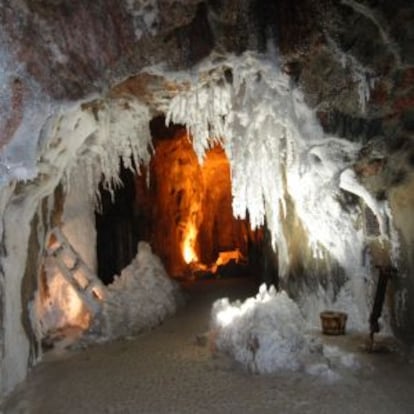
169 370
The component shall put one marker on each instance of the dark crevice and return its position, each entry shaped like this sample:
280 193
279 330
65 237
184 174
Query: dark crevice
116 227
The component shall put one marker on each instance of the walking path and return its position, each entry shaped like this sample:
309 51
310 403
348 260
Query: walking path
167 370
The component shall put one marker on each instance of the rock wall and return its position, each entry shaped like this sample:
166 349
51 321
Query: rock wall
355 63
219 230
178 190
183 193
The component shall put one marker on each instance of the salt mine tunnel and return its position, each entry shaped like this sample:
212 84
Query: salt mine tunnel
184 212
181 141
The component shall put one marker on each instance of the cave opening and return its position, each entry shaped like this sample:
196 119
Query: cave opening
184 211
117 231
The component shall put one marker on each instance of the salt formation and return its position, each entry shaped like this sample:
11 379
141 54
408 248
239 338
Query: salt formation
266 334
119 134
140 298
74 138
277 149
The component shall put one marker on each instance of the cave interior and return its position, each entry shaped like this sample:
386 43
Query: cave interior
184 210
202 140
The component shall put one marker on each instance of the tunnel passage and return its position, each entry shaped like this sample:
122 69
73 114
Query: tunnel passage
184 210
116 229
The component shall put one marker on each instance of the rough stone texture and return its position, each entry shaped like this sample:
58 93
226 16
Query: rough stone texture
75 48
16 109
71 43
72 49
66 50
386 168
402 203
326 65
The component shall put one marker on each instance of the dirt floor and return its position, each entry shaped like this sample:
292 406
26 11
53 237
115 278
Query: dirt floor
172 370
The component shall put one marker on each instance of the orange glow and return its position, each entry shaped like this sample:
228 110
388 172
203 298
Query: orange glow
225 257
189 254
62 296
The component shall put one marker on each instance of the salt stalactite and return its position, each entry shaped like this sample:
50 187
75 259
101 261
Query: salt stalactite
113 134
365 84
270 135
261 123
119 134
202 109
73 138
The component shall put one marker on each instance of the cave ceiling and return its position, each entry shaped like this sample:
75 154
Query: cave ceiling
353 60
68 50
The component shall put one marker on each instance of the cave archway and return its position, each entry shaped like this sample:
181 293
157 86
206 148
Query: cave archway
184 210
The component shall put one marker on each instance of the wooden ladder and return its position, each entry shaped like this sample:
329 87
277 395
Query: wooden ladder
75 271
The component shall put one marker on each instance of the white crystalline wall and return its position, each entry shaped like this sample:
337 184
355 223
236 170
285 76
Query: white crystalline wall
276 148
79 220
72 140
